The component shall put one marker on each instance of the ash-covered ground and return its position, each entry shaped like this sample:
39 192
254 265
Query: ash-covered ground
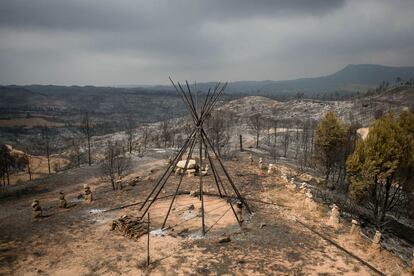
78 240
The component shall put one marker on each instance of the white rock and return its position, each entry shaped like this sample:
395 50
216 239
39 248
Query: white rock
191 164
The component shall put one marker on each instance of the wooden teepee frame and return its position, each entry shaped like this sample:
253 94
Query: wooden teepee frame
197 135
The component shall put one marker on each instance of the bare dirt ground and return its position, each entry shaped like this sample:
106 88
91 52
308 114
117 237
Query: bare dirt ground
39 168
78 240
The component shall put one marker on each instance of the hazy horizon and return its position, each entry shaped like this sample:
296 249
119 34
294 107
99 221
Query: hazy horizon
143 85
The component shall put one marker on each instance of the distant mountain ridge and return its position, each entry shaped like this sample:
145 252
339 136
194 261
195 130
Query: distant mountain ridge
372 74
353 77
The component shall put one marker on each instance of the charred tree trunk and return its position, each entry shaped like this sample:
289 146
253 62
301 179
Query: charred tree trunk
241 142
29 166
46 140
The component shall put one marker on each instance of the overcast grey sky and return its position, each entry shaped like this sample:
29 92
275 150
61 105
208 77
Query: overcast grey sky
116 42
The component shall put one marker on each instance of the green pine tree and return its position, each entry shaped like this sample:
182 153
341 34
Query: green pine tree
329 142
381 168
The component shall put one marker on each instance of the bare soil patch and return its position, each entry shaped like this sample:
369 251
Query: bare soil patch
39 168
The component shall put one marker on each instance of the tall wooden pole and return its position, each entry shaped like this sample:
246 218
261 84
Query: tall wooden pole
148 241
199 116
214 172
201 182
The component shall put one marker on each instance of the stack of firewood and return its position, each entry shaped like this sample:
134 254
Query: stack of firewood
131 227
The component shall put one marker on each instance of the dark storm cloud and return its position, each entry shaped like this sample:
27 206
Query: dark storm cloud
130 14
129 41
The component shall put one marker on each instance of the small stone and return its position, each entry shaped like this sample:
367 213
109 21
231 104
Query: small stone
205 171
262 225
224 240
191 164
